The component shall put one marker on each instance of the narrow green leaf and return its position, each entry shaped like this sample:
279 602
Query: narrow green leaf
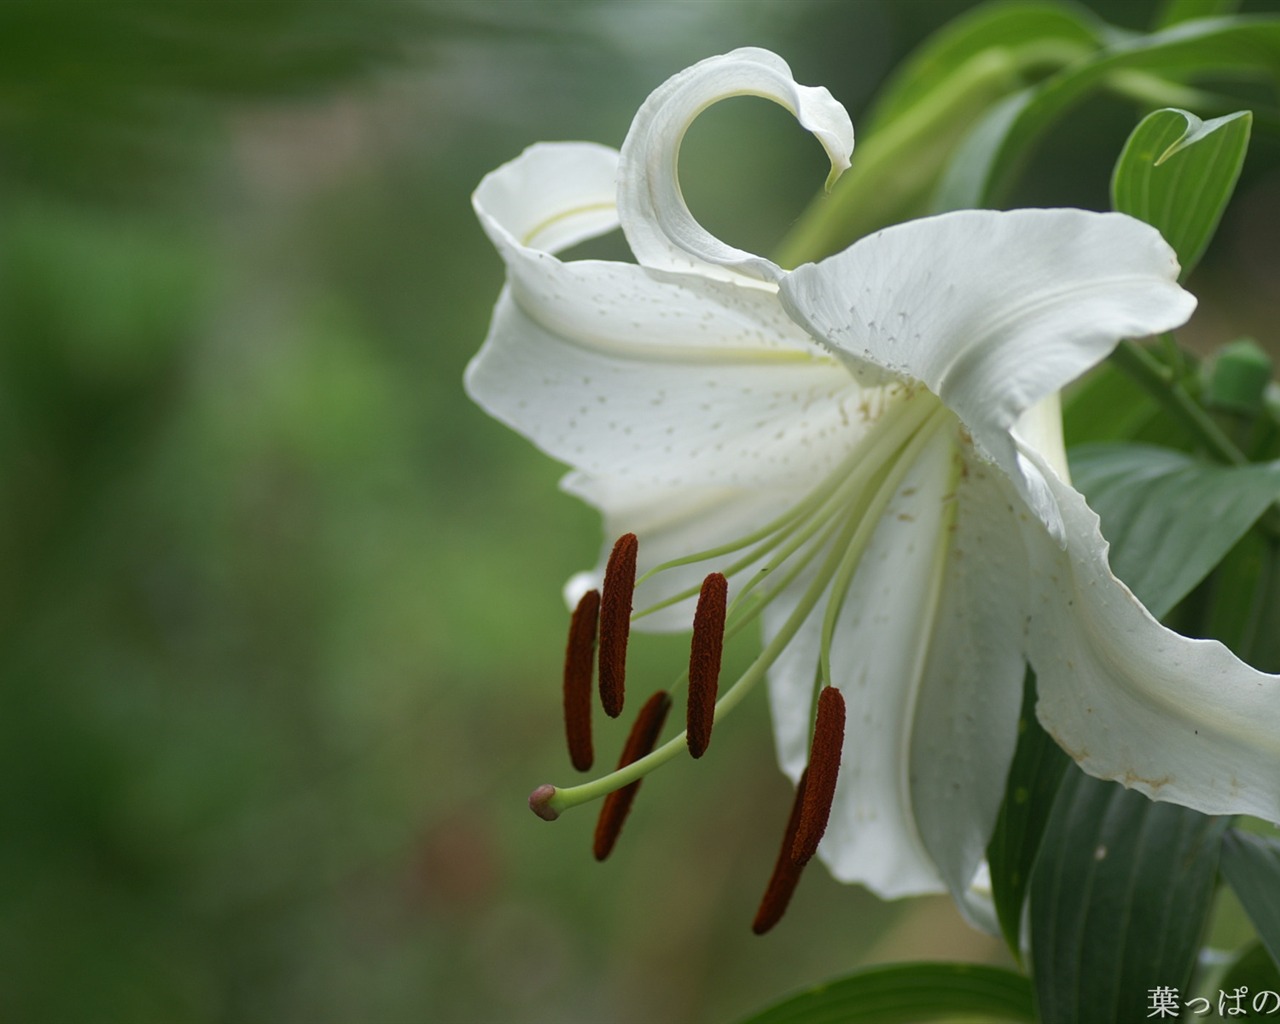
1046 35
968 175
1239 603
1034 777
1177 11
1170 517
924 112
1107 405
1228 46
1119 898
1251 866
909 994
1177 173
1255 970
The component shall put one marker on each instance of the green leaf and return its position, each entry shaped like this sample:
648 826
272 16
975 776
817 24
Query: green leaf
1170 517
1239 602
907 994
1034 776
1177 173
1254 969
1251 866
1043 35
986 165
1106 405
1177 11
1119 898
947 85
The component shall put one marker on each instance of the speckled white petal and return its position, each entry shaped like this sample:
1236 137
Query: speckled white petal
552 196
992 311
657 222
621 375
878 657
965 727
665 379
671 523
1177 719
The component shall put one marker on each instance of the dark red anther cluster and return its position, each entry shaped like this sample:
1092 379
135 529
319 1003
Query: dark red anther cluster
607 614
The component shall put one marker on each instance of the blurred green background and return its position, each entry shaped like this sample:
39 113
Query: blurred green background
280 615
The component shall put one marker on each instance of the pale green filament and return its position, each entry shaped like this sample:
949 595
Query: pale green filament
563 799
899 422
839 518
867 522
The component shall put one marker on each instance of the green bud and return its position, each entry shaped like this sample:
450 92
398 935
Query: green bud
1239 378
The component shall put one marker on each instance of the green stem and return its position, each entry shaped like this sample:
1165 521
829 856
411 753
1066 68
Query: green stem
1158 382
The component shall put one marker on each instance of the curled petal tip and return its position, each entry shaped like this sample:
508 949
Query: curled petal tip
658 224
540 802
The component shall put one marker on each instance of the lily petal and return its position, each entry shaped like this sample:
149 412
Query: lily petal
878 656
655 218
992 311
552 196
671 522
1177 719
704 391
607 405
970 693
623 373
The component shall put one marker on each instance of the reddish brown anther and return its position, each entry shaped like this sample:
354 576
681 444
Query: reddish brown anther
643 736
579 660
786 872
824 766
615 622
704 661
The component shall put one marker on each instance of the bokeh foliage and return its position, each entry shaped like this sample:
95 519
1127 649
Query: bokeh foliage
279 611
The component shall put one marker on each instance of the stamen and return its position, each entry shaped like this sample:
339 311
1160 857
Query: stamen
824 766
579 659
643 736
786 871
572 796
615 622
704 661
896 424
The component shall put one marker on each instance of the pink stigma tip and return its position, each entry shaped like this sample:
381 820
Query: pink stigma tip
540 802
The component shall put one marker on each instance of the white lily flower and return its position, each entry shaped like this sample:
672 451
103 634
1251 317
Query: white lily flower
870 449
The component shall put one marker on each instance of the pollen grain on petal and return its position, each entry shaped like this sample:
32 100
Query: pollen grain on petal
786 872
641 740
579 661
824 767
704 661
615 622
